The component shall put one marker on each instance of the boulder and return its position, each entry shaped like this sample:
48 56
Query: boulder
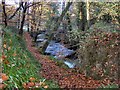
40 42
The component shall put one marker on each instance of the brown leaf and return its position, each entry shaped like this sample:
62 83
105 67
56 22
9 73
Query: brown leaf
3 57
5 46
2 86
24 85
4 77
6 62
32 79
31 84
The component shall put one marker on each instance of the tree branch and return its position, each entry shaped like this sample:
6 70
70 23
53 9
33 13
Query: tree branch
15 11
39 3
4 12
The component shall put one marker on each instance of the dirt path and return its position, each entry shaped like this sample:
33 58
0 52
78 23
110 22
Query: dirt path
65 78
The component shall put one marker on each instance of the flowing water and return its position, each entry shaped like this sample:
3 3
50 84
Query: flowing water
56 49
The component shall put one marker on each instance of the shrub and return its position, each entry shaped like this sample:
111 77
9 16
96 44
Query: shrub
99 53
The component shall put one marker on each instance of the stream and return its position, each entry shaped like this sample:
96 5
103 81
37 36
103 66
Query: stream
57 50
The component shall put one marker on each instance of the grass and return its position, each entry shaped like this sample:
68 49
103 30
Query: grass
19 65
109 87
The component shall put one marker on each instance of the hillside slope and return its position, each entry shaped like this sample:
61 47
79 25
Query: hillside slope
20 68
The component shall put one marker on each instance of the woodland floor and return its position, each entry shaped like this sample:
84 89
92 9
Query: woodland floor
66 78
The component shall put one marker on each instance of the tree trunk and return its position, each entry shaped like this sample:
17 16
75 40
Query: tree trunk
39 20
28 20
78 14
69 22
56 26
88 14
23 19
34 18
19 12
63 23
4 13
81 17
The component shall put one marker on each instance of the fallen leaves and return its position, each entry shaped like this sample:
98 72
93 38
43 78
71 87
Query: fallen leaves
4 46
24 85
34 84
6 62
4 57
42 84
4 77
2 86
32 79
46 86
28 85
31 84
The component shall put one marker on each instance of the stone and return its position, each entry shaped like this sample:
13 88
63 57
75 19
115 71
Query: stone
40 43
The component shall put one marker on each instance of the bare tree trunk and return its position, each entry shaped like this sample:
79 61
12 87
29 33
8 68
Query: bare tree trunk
64 24
38 23
56 26
19 18
4 13
88 14
28 19
40 16
78 14
23 19
33 17
83 15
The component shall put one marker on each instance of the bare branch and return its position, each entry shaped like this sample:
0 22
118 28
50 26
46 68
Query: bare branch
15 11
37 3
